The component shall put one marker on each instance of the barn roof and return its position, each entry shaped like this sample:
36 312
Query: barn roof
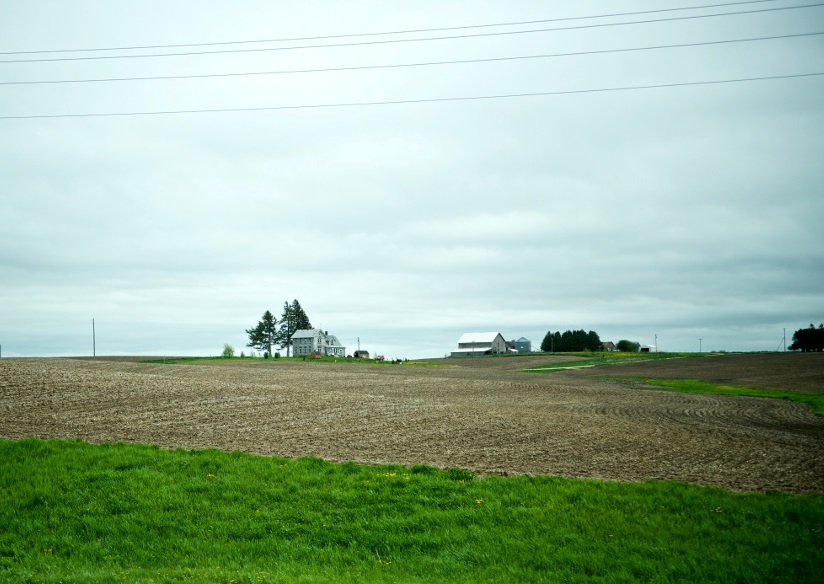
478 337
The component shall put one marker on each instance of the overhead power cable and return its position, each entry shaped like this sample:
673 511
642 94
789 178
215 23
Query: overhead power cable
419 64
416 40
385 33
412 101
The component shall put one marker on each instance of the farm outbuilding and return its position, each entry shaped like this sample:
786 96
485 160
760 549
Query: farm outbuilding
361 354
523 345
480 344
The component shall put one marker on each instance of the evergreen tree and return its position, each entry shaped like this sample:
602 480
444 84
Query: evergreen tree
263 335
571 341
594 342
301 320
293 319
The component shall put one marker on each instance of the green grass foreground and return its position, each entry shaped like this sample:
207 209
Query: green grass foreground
812 399
75 512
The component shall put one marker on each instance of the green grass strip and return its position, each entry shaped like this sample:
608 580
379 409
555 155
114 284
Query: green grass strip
812 399
75 512
599 359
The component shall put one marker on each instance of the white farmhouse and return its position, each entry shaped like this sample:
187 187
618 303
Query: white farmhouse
306 342
480 344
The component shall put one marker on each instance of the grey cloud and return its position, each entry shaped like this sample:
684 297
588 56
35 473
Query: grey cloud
684 212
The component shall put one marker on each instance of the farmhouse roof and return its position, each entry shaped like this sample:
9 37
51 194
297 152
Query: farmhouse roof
304 334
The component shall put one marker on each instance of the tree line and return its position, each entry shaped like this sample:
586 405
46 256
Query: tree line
569 341
580 340
808 339
270 332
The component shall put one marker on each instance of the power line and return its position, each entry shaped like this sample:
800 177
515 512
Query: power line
408 31
427 39
419 64
412 101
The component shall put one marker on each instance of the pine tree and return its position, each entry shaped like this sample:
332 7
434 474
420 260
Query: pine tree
263 335
293 319
571 341
546 344
301 319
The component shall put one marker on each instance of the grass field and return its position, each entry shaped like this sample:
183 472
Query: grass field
813 399
609 358
201 507
75 512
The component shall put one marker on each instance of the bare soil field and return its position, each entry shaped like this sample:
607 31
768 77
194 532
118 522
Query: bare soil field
475 413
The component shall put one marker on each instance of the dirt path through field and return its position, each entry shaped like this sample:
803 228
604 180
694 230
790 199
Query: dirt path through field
478 414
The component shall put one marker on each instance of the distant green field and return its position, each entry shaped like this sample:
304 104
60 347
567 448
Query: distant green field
611 358
812 399
75 512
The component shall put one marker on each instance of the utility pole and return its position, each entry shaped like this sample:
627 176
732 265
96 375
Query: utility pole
94 342
785 339
656 342
699 345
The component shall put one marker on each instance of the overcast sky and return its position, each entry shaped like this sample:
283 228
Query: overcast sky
687 212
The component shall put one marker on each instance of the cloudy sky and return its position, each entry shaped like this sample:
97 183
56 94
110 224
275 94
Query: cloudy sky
359 172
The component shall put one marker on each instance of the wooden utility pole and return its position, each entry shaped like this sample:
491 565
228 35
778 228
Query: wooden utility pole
94 341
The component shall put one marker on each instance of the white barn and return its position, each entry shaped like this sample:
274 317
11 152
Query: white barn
480 344
306 342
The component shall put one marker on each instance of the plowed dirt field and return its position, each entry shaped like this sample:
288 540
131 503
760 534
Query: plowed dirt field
475 413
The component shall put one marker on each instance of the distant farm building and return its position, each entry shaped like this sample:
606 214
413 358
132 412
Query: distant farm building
480 344
321 343
649 349
361 354
609 346
523 345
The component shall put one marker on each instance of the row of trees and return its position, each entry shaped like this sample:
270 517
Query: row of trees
270 332
808 339
570 341
574 341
